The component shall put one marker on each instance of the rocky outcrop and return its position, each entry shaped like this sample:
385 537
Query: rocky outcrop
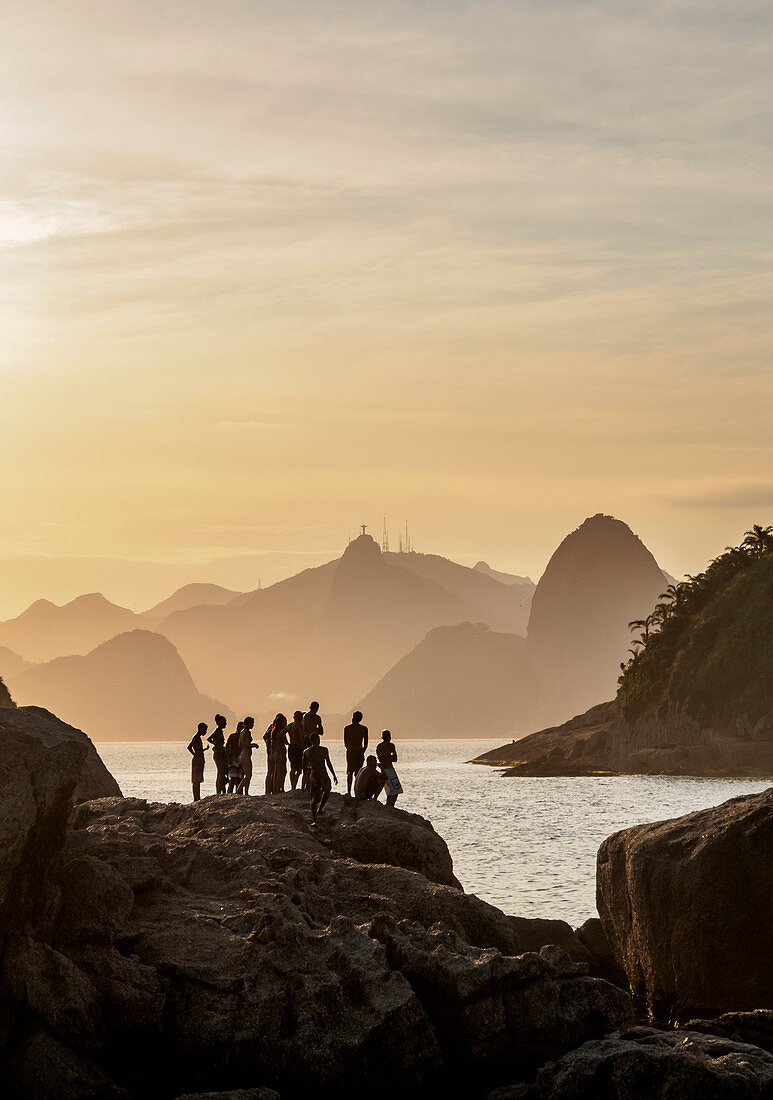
755 1027
40 730
645 1063
239 949
226 948
602 742
44 765
687 906
5 697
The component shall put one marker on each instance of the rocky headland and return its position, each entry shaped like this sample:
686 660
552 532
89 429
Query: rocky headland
696 695
604 742
227 948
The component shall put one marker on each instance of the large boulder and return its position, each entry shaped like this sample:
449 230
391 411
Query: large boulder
37 781
358 831
644 1063
93 780
687 906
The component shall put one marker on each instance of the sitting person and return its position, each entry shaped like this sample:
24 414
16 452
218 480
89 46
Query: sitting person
369 782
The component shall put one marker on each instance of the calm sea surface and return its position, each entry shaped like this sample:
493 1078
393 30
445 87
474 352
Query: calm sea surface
527 845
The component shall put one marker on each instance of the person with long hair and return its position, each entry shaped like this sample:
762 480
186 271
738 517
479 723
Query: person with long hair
217 740
277 756
387 757
245 755
232 751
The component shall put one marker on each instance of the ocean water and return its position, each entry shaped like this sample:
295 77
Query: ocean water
526 845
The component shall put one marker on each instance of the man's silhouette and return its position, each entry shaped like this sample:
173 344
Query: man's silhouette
355 742
312 723
297 744
316 760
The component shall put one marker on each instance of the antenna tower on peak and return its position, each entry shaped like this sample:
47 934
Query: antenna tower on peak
408 547
385 538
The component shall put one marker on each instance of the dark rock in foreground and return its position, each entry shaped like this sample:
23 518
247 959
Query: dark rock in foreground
25 725
242 948
755 1027
43 765
645 1063
226 946
687 906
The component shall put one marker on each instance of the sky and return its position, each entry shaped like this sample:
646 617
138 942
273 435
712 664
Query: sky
273 270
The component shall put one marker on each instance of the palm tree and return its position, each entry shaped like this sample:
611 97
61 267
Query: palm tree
758 541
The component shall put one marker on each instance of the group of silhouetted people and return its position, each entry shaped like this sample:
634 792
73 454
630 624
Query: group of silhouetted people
297 744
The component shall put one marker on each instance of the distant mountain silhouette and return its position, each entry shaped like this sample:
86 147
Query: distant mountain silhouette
459 681
133 687
11 664
364 627
332 631
191 595
46 630
599 578
507 611
505 578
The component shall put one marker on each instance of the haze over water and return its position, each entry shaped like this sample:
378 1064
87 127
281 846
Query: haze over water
526 845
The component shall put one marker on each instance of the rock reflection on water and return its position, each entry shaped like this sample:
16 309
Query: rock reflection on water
527 845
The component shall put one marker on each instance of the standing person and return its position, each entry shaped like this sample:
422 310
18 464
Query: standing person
316 761
355 743
387 755
245 755
235 772
312 723
217 740
296 747
267 743
278 755
196 749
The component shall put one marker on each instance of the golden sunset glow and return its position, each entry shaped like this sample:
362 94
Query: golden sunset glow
274 270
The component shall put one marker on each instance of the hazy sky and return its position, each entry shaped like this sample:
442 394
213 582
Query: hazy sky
271 270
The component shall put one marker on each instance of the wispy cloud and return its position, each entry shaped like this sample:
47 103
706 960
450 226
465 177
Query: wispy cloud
283 265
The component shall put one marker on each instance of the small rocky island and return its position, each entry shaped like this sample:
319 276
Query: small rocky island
225 948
